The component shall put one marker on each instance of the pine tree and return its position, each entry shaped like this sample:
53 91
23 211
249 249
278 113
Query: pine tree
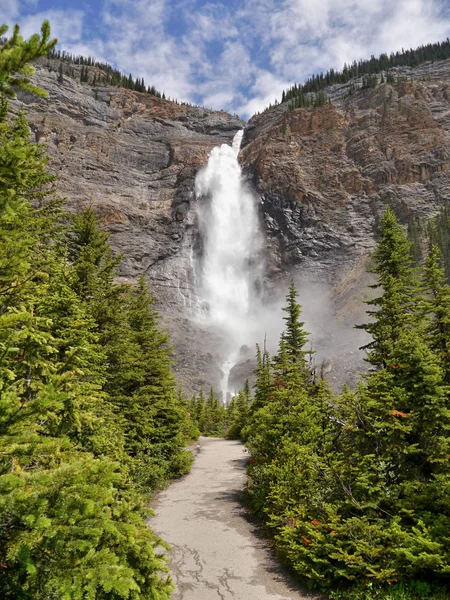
437 309
439 235
350 486
214 416
23 177
16 54
395 307
282 391
95 268
153 412
200 411
294 337
71 523
263 381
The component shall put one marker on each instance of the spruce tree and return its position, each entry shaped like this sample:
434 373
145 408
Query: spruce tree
437 308
71 524
154 413
263 380
199 410
16 54
294 337
394 309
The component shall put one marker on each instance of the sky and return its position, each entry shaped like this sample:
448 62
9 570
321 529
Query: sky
232 55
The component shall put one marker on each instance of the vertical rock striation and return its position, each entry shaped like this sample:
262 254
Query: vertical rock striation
324 176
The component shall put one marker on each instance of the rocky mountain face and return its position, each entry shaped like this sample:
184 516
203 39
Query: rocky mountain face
134 157
324 176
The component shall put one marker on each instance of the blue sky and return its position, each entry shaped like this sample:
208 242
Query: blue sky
235 55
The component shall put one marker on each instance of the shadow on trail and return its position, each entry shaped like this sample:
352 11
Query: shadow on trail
272 563
240 463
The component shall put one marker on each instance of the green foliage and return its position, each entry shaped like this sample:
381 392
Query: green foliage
93 71
369 81
238 412
141 390
415 237
354 487
210 415
394 309
89 413
74 531
16 54
439 235
436 308
368 70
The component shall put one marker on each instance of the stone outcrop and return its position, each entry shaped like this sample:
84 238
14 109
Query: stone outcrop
324 176
134 157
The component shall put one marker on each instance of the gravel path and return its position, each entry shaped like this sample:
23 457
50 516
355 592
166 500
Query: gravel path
216 552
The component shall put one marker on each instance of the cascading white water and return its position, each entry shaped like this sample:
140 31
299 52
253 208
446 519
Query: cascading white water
231 267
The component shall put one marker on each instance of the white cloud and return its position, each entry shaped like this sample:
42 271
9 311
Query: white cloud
10 11
241 58
266 89
66 25
306 37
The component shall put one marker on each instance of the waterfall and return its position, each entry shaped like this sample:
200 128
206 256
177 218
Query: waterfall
231 267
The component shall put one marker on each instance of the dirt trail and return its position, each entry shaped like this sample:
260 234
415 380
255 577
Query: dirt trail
216 553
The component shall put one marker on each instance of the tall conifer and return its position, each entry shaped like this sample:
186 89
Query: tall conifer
394 308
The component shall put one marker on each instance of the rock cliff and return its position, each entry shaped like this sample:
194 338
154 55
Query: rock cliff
324 176
134 157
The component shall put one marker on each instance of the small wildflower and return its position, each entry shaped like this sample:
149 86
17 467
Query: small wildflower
398 413
305 539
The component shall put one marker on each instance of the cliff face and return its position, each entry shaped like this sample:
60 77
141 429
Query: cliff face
134 158
324 176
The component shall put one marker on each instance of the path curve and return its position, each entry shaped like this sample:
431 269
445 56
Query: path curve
216 553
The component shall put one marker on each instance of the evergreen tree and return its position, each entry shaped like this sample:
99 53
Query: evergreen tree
439 235
214 416
154 413
263 381
354 487
437 308
294 336
16 54
396 278
23 177
199 411
71 523
95 269
238 412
